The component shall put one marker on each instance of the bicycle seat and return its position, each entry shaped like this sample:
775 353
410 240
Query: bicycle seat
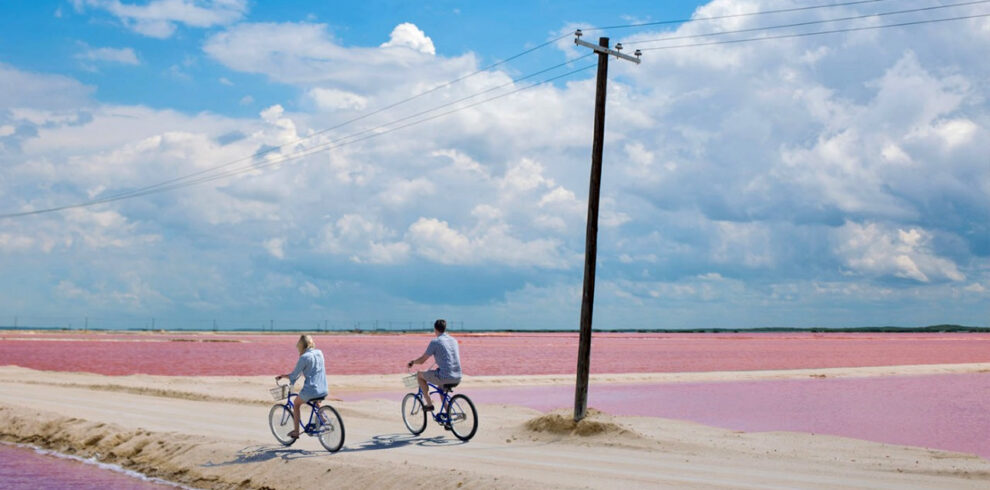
450 386
317 399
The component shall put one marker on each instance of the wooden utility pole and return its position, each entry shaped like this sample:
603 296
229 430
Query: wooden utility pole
591 234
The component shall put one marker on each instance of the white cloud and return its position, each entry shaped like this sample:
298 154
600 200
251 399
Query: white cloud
124 56
275 247
15 243
333 99
905 253
307 54
956 132
384 253
310 289
409 36
41 91
525 175
435 240
159 18
401 192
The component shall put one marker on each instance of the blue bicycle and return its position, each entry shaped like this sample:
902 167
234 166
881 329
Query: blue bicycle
324 421
456 413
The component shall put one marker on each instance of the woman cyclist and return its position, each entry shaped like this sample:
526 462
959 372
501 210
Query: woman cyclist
311 366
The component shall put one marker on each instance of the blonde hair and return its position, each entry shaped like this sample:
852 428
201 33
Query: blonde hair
306 342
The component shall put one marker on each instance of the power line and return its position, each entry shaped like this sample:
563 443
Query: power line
818 33
356 137
335 144
380 110
323 147
808 23
203 175
731 16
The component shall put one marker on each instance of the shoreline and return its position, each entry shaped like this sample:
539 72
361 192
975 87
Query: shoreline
93 462
942 328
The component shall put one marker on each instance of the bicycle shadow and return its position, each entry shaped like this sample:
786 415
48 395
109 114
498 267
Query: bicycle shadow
396 441
262 453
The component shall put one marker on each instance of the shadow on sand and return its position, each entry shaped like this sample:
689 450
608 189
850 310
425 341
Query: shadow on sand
262 453
395 441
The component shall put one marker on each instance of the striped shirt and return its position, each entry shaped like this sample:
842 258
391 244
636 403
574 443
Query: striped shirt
445 352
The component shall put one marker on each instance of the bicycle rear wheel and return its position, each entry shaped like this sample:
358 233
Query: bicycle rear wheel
280 422
463 417
413 414
330 429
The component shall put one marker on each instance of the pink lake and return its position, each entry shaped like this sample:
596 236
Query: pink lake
483 354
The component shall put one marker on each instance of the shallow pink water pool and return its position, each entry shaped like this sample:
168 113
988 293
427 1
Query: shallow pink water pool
949 412
25 469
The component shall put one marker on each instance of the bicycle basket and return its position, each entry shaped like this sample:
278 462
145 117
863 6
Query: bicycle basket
410 381
280 392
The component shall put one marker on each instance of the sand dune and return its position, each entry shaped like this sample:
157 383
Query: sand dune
163 427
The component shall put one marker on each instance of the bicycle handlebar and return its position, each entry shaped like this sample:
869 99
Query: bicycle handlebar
410 369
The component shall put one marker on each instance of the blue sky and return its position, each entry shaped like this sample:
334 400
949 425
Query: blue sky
837 180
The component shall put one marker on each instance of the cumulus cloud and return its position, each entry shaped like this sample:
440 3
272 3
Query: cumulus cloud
332 99
308 54
160 18
275 247
905 253
437 241
41 91
124 56
409 36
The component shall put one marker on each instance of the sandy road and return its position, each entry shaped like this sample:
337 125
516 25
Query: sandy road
227 444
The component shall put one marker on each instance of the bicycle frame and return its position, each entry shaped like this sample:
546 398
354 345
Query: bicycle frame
440 416
315 410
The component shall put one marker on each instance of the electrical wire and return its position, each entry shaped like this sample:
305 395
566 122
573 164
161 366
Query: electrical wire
380 110
818 33
214 173
730 16
319 148
808 23
201 176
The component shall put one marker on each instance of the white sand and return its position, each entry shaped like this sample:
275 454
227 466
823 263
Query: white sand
162 427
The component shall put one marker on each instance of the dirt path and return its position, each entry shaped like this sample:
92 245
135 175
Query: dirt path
227 444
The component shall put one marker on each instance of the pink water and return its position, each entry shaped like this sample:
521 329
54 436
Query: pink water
24 469
945 412
484 354
949 412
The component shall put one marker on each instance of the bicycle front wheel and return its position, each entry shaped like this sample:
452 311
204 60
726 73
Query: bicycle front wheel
463 417
280 421
413 414
331 429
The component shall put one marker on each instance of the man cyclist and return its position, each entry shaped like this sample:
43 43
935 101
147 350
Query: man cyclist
444 351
